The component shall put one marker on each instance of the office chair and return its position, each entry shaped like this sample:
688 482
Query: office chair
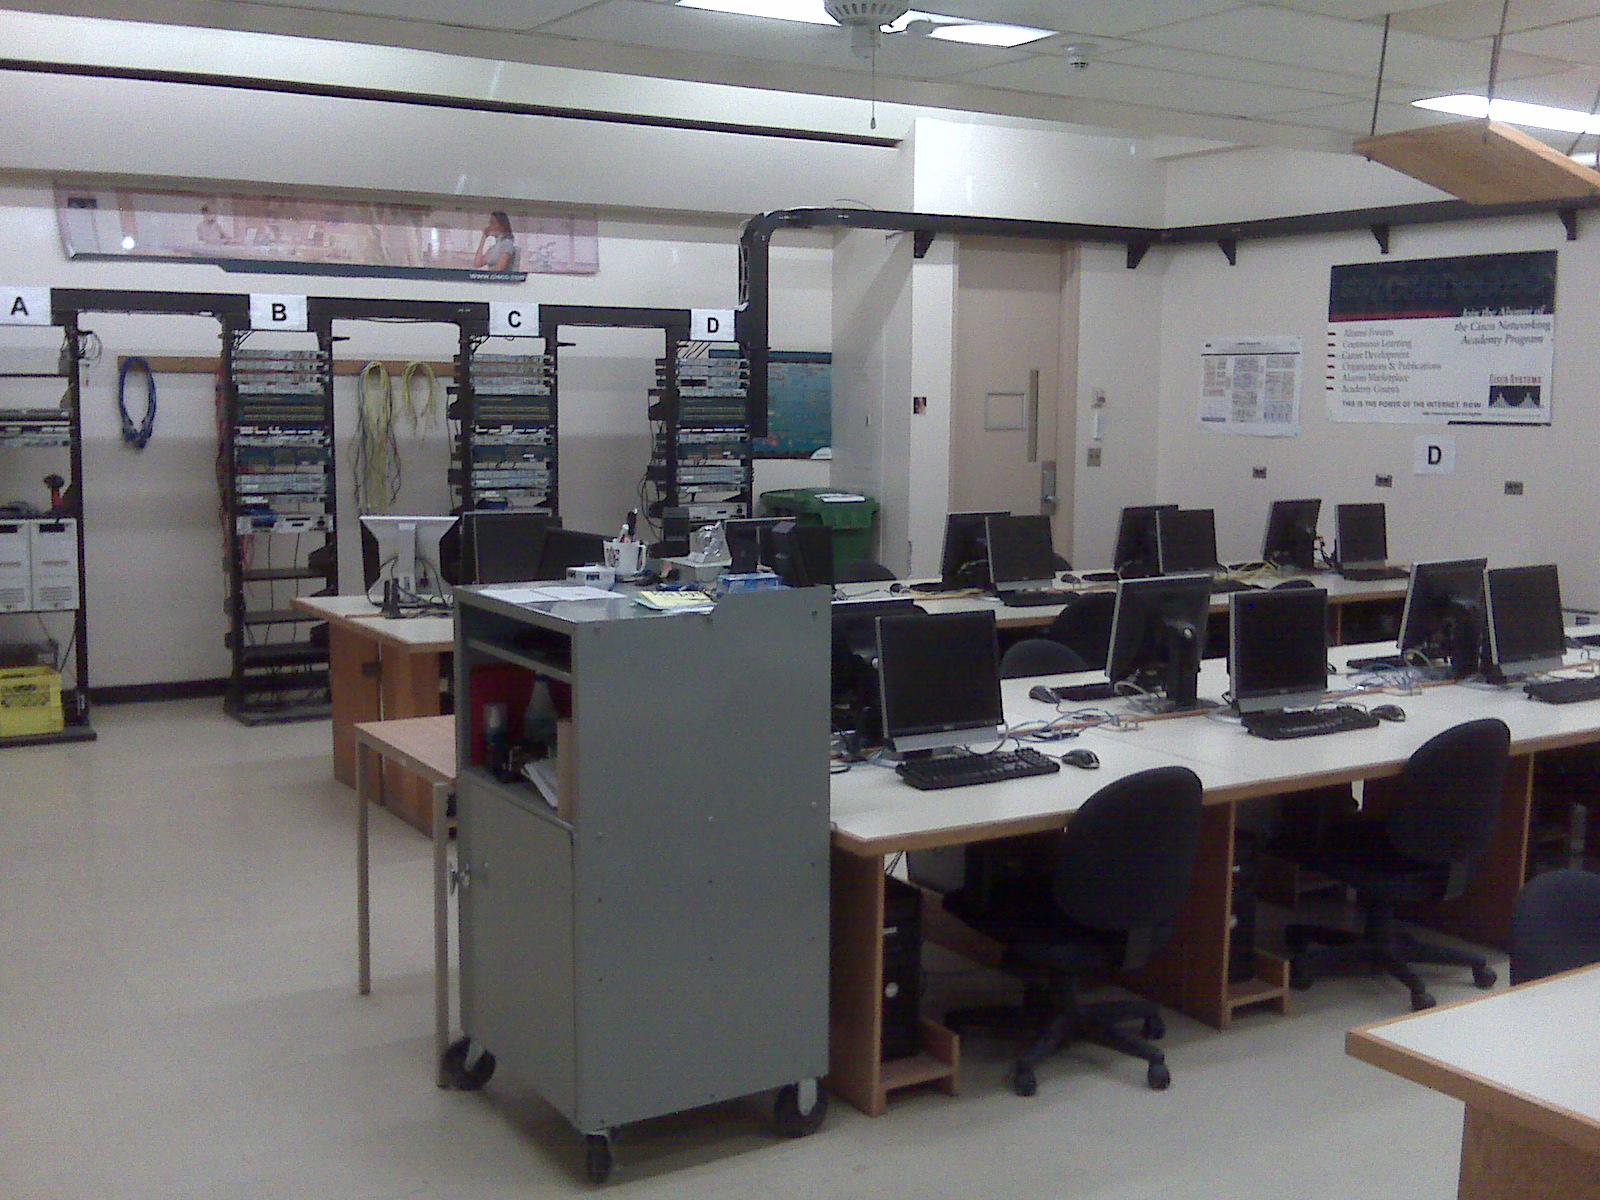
1084 625
1420 850
1039 656
1121 873
863 571
1555 924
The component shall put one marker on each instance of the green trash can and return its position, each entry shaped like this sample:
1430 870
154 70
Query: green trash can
848 514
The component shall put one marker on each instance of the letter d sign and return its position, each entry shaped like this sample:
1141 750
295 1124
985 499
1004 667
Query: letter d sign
277 312
711 325
1434 455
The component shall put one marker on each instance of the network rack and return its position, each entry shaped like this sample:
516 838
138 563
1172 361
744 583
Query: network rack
701 469
278 484
505 454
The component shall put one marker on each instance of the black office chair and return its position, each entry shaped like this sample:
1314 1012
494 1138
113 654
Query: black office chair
1555 924
863 571
1421 850
1039 656
1121 873
1084 625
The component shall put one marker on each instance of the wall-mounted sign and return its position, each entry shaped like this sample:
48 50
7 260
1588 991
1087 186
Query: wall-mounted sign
711 325
24 305
1434 455
278 312
1251 385
513 320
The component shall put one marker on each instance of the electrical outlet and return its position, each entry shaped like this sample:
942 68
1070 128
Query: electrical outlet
1383 481
1513 487
1092 459
1258 472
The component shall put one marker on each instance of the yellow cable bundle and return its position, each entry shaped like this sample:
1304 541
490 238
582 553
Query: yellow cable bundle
375 453
431 411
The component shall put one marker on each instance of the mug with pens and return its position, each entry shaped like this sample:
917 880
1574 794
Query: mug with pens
626 554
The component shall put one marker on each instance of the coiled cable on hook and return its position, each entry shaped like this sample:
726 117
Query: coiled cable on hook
374 451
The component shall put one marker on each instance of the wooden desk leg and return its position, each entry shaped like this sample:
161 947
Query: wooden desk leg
363 876
353 684
855 1041
441 926
410 688
1501 1160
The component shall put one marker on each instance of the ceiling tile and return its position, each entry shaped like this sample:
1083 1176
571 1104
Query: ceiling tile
1576 41
475 14
1469 20
1360 10
1246 70
1088 17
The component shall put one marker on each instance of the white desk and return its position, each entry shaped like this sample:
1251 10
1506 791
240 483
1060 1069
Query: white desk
1527 1063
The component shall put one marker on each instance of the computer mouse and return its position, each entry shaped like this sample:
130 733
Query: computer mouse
1042 694
1389 712
897 588
1068 578
1086 759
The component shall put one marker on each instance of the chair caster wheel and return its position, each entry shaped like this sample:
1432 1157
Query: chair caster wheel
1484 977
1024 1082
597 1160
458 1074
789 1119
1421 1000
1158 1077
1153 1029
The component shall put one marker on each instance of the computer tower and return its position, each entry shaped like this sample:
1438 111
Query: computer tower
902 969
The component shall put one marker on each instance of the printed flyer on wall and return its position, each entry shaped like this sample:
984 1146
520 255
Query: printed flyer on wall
1467 340
1251 386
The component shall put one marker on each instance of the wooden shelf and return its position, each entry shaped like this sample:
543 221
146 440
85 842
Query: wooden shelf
1483 162
1270 986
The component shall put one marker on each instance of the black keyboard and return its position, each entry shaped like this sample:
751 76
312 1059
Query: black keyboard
1309 722
1373 574
1221 583
1078 693
1389 663
1034 599
959 770
1564 691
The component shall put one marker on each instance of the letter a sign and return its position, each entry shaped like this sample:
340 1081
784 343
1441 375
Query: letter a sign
277 312
24 305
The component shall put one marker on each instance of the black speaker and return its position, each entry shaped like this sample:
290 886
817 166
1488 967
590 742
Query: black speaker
902 969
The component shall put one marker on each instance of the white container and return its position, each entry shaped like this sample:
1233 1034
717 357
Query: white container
53 546
626 558
16 570
594 575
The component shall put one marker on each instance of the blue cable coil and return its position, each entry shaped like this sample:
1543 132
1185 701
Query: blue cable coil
137 436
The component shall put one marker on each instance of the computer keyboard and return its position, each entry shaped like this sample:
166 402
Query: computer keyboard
1373 574
1564 691
1078 693
1033 599
1221 583
959 770
1392 662
1310 722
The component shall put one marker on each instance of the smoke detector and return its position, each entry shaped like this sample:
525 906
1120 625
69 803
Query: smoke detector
864 18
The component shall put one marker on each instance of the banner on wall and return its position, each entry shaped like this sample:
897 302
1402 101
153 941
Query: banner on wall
298 235
1458 340
1251 386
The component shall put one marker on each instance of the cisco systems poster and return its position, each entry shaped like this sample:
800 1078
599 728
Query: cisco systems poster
1468 339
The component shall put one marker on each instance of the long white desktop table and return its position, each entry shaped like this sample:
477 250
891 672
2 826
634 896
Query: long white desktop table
876 816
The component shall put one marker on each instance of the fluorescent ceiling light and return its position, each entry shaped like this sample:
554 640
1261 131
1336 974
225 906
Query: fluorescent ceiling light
1514 112
949 29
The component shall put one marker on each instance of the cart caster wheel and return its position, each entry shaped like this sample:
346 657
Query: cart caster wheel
798 1109
597 1161
1158 1078
1024 1082
1153 1029
1421 1000
460 1076
1484 977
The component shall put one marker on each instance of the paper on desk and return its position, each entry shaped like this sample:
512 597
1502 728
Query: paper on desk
544 595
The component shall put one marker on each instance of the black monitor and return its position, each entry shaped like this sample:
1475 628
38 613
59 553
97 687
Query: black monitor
1021 553
501 546
1526 633
965 558
743 536
939 681
801 554
1135 555
565 548
1186 540
1158 634
1278 648
1361 535
1443 617
1291 537
855 674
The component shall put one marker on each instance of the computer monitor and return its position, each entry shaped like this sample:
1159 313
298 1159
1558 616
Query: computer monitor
1291 537
1361 535
744 538
965 558
1278 648
855 672
1021 553
939 681
1158 634
1135 555
405 556
563 548
801 554
1186 540
501 546
1526 633
1443 617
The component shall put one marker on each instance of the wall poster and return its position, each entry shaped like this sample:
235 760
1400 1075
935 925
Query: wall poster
1458 340
1251 386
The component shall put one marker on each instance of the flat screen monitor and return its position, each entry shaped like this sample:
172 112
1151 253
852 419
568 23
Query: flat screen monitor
1158 634
801 554
563 548
1291 537
965 558
939 681
1361 534
1186 540
406 555
1443 617
1021 553
1135 556
1526 633
744 538
502 546
1278 648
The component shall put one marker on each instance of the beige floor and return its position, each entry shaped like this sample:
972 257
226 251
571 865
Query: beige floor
178 1020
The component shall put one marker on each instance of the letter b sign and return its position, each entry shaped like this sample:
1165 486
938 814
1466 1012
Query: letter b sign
277 312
